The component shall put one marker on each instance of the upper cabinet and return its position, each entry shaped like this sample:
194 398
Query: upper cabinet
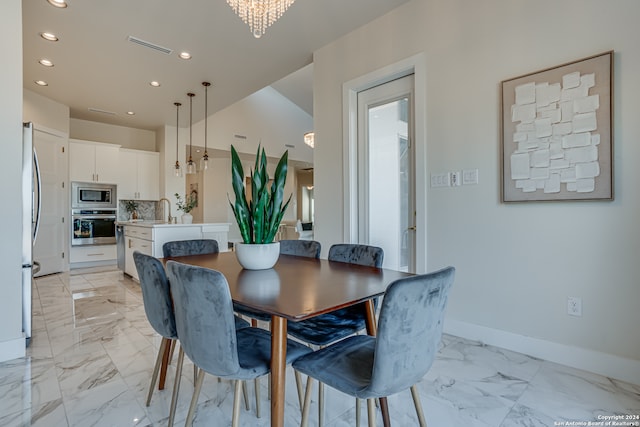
139 175
93 162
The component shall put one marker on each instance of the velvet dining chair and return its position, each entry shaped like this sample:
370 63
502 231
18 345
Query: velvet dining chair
206 329
158 307
328 328
409 331
190 247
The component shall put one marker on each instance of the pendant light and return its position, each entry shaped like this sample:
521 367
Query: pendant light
191 165
178 168
204 162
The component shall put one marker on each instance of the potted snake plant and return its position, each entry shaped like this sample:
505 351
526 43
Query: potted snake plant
258 218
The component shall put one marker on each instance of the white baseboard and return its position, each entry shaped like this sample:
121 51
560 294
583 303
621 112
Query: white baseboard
609 365
12 349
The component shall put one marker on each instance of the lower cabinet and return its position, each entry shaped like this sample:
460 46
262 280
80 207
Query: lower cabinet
149 239
92 253
136 239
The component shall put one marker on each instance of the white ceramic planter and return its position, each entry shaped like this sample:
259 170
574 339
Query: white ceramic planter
257 256
187 218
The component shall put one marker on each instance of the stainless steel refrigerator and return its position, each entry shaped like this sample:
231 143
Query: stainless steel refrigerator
30 222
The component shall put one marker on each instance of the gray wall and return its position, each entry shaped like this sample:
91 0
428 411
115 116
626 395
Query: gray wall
518 263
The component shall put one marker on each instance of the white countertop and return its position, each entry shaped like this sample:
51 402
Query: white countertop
163 224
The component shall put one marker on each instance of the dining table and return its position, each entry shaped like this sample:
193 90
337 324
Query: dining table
295 289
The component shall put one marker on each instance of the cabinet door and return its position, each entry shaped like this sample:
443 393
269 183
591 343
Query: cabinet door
128 176
148 176
134 244
107 164
82 164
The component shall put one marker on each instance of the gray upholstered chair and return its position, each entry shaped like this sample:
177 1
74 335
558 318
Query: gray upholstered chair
190 247
328 328
409 330
206 329
159 310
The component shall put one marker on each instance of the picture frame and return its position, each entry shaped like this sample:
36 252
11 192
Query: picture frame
557 135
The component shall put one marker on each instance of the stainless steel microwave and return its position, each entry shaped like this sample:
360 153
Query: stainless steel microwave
92 195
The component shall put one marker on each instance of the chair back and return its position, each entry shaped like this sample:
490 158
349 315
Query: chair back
190 247
371 256
409 330
156 295
204 317
304 248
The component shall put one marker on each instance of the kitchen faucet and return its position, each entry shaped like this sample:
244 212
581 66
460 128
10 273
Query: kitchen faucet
169 218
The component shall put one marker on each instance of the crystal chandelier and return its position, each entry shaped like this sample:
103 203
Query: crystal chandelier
259 14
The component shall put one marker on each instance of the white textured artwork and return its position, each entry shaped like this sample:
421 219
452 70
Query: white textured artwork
556 135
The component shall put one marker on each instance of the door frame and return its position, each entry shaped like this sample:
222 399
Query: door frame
413 65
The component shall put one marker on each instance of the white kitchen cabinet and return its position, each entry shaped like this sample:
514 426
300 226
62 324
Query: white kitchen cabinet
149 237
92 253
136 239
93 162
139 175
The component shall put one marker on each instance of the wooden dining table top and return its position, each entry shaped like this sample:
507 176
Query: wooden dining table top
297 288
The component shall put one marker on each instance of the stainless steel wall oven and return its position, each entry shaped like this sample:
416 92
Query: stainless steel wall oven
93 227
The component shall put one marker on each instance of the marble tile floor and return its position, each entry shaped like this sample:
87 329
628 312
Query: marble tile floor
92 353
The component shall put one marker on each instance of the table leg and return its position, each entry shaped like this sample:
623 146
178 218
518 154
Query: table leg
278 366
165 363
372 329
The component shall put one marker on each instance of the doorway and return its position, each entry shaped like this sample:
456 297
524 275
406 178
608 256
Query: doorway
386 171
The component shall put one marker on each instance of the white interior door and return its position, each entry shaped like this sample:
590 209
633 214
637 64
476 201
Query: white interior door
49 248
386 176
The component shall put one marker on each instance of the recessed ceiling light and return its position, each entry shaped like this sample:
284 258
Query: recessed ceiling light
49 36
41 83
58 3
155 83
185 55
46 62
131 113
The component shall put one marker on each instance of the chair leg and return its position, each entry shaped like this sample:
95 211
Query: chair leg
418 405
357 412
176 387
236 404
371 412
299 387
256 383
320 403
307 402
156 368
246 395
194 398
171 350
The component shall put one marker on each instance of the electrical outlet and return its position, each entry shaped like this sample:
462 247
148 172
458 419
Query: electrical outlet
574 306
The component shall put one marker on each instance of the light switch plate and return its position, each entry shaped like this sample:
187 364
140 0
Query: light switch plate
469 176
440 180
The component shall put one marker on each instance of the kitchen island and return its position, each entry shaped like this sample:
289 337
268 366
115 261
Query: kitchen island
149 236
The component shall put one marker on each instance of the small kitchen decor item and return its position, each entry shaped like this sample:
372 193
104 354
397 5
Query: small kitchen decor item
186 206
259 216
132 208
557 139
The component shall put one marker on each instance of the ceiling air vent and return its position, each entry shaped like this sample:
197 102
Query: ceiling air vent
97 110
150 45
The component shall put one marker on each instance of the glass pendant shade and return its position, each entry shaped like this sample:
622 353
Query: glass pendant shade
177 168
191 165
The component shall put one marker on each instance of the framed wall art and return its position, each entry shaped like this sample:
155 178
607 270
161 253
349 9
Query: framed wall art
557 138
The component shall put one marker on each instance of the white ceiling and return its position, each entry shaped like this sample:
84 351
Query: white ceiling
97 67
